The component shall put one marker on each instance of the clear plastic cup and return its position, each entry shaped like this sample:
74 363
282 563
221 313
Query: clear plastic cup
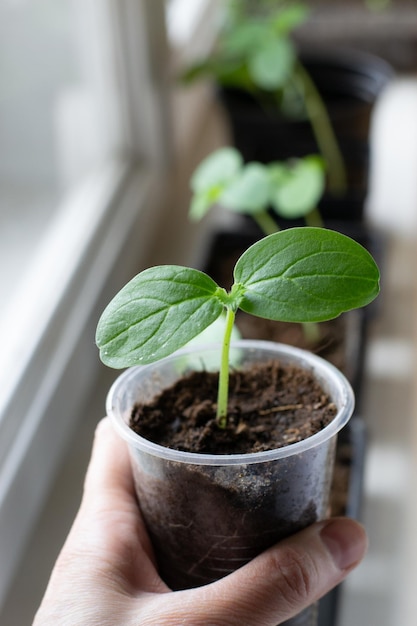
209 514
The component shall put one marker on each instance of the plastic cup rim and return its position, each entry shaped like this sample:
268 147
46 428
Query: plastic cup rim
324 368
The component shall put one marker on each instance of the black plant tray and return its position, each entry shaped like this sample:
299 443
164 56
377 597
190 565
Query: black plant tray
351 451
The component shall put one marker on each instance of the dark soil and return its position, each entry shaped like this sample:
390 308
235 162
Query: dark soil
270 406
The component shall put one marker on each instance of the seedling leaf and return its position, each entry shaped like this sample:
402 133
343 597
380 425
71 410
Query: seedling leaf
306 275
271 64
297 187
216 169
210 179
292 16
243 38
249 192
156 313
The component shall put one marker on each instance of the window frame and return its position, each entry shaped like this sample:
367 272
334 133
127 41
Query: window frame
55 362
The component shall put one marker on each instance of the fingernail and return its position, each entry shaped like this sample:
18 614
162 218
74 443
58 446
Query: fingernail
346 541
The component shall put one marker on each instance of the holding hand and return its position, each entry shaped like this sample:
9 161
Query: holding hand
106 574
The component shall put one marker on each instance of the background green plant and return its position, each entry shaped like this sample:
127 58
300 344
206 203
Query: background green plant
292 188
255 52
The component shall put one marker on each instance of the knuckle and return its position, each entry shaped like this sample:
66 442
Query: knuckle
297 576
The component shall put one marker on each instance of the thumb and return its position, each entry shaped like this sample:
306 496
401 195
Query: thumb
292 575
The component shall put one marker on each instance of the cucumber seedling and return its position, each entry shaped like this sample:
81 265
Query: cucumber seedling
302 274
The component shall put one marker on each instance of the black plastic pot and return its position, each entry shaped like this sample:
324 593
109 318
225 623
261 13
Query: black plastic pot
349 83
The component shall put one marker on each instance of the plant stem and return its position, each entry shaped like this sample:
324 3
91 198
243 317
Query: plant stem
311 332
314 219
223 390
266 223
323 132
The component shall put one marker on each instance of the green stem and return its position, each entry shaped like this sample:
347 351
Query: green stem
223 390
266 223
323 132
314 219
311 332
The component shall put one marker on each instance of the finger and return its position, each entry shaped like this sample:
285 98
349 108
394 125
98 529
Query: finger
109 473
109 526
109 493
287 578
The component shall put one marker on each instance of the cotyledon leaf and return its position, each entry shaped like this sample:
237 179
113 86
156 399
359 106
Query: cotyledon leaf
156 313
250 190
216 169
306 275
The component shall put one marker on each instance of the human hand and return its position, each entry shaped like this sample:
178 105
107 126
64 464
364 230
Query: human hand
106 574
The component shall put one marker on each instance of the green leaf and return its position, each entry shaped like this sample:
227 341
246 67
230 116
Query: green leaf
198 70
235 75
156 313
216 169
243 38
271 63
200 204
249 191
297 186
215 66
211 177
285 20
306 275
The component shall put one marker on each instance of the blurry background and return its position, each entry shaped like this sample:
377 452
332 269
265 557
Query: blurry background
97 143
